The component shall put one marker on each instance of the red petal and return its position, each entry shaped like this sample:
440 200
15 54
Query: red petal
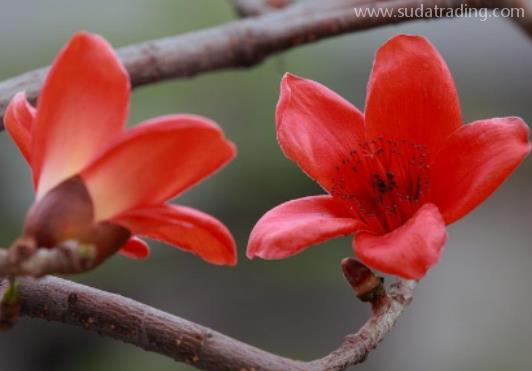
296 225
316 127
477 158
19 120
411 94
185 228
135 248
83 105
154 162
408 251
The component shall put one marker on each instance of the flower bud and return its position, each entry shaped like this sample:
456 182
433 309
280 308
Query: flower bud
367 286
66 213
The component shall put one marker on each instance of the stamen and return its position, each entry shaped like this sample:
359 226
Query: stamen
383 182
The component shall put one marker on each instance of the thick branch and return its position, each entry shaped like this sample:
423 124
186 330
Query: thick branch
112 315
245 42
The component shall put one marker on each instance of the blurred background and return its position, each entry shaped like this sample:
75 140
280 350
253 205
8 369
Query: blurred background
472 312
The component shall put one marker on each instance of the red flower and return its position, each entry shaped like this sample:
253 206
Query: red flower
395 175
97 182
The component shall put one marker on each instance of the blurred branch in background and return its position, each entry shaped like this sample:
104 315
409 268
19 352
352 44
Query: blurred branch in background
58 300
525 22
247 42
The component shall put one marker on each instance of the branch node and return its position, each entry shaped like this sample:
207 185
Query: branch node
24 258
10 305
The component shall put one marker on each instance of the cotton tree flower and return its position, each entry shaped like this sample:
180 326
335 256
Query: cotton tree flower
100 184
395 175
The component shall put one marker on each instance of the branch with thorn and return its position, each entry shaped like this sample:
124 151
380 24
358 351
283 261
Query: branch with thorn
111 315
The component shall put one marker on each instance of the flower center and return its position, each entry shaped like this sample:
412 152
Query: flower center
383 182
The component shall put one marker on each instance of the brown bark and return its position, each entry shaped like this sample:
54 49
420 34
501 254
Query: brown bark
111 315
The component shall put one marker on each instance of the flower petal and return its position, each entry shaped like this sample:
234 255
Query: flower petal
296 225
83 104
185 228
154 162
316 128
408 251
135 248
19 121
411 94
477 158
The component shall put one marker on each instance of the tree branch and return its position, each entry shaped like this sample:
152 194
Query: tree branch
247 42
356 347
114 316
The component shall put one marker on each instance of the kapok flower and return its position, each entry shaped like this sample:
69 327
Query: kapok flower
396 175
100 184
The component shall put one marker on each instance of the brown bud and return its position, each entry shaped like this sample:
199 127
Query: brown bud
67 213
108 239
64 213
367 286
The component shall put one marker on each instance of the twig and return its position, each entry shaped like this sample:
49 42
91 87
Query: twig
114 316
246 42
356 347
25 259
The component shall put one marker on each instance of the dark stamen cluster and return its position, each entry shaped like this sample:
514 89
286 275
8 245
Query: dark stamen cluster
384 185
384 180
